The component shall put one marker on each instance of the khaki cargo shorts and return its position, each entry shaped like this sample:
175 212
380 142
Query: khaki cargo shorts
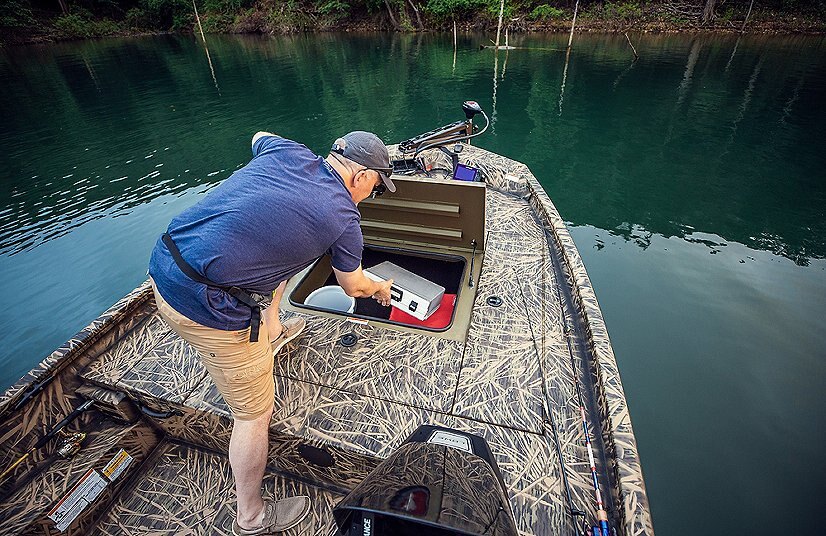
242 370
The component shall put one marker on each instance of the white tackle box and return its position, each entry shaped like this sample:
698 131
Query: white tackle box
410 293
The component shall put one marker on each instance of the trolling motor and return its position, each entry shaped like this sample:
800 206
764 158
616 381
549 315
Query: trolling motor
440 482
453 133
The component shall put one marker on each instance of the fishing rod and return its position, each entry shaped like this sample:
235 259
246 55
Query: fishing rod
575 512
70 446
572 510
602 515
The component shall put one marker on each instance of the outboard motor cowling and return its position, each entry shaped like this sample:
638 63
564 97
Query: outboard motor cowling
439 482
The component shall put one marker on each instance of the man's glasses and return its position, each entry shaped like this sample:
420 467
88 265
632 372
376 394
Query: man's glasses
380 188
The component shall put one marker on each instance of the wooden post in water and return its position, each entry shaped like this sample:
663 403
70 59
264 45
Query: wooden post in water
499 26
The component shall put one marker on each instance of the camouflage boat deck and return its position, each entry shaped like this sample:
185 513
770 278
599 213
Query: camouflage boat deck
340 410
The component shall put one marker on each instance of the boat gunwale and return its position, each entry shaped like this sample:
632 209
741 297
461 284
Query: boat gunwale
514 177
52 365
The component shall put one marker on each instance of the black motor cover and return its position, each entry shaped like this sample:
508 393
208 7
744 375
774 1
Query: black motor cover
428 488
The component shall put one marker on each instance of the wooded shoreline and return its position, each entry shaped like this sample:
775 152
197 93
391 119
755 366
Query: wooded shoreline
31 21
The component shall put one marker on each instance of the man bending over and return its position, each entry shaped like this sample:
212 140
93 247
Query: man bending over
221 262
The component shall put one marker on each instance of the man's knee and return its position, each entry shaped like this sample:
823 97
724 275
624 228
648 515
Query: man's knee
255 419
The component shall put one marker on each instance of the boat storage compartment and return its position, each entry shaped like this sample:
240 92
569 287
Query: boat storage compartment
432 228
443 270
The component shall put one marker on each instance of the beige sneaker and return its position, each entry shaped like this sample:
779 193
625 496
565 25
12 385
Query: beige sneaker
291 329
279 516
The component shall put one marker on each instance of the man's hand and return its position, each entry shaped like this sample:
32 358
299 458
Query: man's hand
358 285
383 294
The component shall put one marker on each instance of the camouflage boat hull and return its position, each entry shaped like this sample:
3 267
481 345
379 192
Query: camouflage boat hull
341 410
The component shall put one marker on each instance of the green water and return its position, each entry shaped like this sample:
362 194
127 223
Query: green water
693 182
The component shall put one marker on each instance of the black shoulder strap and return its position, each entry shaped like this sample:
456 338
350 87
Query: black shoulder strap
188 270
236 292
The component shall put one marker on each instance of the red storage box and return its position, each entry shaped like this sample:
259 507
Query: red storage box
438 320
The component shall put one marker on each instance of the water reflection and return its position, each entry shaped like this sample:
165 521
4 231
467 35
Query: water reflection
695 133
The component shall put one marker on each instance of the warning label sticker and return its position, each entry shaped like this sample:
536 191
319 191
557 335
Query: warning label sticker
79 497
118 465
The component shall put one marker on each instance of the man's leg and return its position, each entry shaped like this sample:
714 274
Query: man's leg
248 458
280 333
271 313
243 373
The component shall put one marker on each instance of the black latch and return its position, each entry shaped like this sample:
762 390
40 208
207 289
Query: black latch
348 339
494 301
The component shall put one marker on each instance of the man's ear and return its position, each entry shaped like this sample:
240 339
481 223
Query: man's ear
359 177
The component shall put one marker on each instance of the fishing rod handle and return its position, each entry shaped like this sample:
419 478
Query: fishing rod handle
66 420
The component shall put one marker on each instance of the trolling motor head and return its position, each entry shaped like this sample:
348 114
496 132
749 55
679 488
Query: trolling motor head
471 108
456 132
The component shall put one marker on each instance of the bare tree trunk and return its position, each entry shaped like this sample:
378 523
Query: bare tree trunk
454 46
454 36
636 56
570 40
499 26
416 11
390 12
206 48
63 7
743 29
197 18
708 11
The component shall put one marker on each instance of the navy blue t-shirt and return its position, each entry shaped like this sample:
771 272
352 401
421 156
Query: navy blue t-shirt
261 226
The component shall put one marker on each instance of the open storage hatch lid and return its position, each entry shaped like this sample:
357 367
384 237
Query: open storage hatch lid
429 212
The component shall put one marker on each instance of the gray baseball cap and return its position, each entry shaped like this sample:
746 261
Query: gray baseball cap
367 149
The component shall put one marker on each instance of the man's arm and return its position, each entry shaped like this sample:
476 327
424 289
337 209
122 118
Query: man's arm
358 285
259 135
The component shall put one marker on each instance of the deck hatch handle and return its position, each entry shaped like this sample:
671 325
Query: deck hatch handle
419 207
416 230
